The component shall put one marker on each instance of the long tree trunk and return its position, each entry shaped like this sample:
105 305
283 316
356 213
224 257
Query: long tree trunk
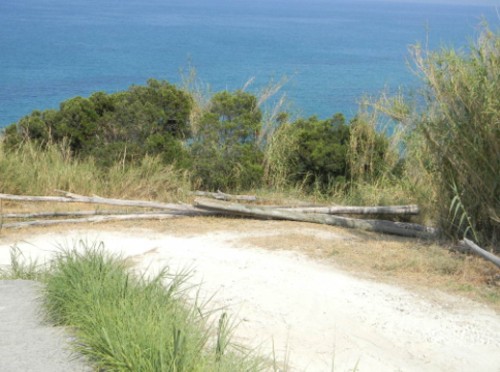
94 219
74 198
65 214
219 195
387 210
396 228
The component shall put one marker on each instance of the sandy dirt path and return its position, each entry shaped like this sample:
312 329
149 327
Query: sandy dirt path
312 312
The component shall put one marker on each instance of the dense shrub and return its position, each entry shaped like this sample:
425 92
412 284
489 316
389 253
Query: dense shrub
224 150
327 155
128 125
320 154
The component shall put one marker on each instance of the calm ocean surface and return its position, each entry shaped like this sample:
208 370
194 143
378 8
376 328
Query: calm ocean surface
333 51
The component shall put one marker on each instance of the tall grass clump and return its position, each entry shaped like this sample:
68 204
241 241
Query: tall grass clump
451 141
148 179
31 169
124 322
278 156
387 161
370 155
461 127
39 170
200 93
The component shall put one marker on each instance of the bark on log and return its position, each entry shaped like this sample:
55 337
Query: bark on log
388 210
74 198
219 195
66 214
388 227
481 252
95 219
188 213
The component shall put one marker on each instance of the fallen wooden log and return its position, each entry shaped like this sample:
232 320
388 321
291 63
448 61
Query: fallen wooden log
95 219
388 227
192 213
74 198
65 214
481 252
388 210
219 195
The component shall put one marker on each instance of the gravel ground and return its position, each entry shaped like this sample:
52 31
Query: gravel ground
312 312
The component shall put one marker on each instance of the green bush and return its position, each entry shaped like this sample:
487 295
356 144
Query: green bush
125 126
327 155
224 150
36 127
319 155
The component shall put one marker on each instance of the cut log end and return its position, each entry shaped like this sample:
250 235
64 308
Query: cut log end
471 246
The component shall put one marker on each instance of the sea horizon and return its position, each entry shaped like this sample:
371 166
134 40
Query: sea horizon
332 52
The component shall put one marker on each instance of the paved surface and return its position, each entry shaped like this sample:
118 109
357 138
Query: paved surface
26 344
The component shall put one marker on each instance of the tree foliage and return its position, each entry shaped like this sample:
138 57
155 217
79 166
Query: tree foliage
224 150
320 153
127 125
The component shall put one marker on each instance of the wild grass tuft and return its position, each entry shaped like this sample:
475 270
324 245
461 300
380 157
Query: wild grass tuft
125 322
34 170
20 268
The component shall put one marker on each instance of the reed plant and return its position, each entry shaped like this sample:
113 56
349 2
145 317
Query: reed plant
449 137
461 127
278 157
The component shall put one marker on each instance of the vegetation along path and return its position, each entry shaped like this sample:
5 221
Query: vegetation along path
312 311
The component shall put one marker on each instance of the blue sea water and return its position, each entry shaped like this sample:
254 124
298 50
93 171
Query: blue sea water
332 51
